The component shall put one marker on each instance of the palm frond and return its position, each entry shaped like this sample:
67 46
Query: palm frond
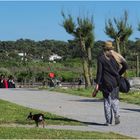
69 24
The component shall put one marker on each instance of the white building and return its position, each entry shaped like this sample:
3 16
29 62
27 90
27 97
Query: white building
21 54
55 57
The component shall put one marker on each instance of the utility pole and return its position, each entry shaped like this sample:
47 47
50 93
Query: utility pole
137 65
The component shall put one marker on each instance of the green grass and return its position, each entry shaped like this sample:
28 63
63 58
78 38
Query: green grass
12 113
131 97
38 133
16 114
74 91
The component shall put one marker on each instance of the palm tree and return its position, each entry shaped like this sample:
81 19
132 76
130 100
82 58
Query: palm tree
138 26
120 31
84 38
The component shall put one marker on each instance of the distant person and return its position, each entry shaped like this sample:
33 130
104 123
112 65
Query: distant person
109 68
3 82
11 82
51 79
80 81
51 75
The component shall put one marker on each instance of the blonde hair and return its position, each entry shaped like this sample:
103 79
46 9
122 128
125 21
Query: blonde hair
118 57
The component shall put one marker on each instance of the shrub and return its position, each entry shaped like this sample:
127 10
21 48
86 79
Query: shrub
5 71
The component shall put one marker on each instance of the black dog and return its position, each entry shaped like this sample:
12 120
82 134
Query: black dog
38 118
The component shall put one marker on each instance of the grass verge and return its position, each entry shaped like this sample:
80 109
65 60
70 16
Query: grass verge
12 113
131 97
37 133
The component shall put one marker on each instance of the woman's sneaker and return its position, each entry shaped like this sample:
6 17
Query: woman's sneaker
117 120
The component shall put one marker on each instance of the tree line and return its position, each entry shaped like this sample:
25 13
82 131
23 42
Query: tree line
83 45
41 50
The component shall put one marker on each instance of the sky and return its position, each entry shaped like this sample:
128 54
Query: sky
40 20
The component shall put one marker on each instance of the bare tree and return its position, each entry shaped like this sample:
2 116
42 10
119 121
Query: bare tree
83 35
119 30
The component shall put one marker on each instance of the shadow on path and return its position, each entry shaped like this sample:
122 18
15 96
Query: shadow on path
130 109
93 123
68 120
88 100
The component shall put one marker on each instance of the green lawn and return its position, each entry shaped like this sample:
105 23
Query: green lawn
131 97
12 113
39 133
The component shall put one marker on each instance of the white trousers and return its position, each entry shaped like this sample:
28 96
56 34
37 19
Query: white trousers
111 108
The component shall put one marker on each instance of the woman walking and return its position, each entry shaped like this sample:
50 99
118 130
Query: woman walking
110 65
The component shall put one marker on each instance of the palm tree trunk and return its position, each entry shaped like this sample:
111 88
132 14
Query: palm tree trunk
118 46
86 73
90 64
137 67
86 65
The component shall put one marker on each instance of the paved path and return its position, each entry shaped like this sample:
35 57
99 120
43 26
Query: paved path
88 110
